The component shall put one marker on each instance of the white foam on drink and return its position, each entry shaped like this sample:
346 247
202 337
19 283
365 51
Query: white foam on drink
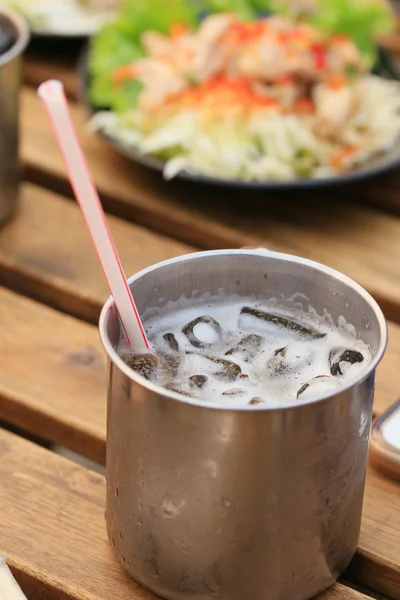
273 369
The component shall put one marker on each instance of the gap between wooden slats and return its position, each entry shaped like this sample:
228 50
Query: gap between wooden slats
358 241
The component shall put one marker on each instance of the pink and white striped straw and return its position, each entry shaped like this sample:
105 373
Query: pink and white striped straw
52 94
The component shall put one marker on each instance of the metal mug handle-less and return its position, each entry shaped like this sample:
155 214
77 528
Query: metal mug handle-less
10 82
230 503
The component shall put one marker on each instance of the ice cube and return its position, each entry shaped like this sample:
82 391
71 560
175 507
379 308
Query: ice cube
247 347
225 369
318 386
207 333
292 357
297 354
198 381
208 337
282 321
169 366
144 364
276 365
172 388
341 359
255 401
171 341
234 392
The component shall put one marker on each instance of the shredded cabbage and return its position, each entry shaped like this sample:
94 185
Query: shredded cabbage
267 145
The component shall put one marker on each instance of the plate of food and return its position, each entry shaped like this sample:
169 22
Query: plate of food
65 18
248 93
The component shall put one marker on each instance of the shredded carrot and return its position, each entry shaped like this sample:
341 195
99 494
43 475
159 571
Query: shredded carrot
243 32
339 158
285 36
286 80
222 91
123 73
337 81
339 39
302 32
304 106
178 29
319 53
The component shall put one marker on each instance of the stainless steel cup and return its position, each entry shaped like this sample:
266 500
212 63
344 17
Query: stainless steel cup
10 80
230 503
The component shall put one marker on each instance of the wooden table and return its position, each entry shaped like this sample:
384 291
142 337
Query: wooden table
52 368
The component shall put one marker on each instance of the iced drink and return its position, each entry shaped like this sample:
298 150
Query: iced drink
247 352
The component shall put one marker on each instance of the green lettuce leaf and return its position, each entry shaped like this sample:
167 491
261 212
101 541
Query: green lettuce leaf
245 9
118 43
362 21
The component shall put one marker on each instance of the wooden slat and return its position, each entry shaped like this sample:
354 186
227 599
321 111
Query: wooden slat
358 241
383 192
364 590
52 529
49 65
377 564
46 252
52 383
52 376
387 382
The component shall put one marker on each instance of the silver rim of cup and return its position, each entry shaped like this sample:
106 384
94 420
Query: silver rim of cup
115 359
22 34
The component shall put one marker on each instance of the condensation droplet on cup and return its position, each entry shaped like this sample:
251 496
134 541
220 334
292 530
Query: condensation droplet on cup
225 502
116 491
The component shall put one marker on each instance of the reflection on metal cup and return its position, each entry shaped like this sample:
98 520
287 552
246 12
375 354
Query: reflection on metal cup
10 83
258 248
206 502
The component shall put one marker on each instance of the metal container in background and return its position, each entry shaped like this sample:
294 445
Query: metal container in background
10 83
205 502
